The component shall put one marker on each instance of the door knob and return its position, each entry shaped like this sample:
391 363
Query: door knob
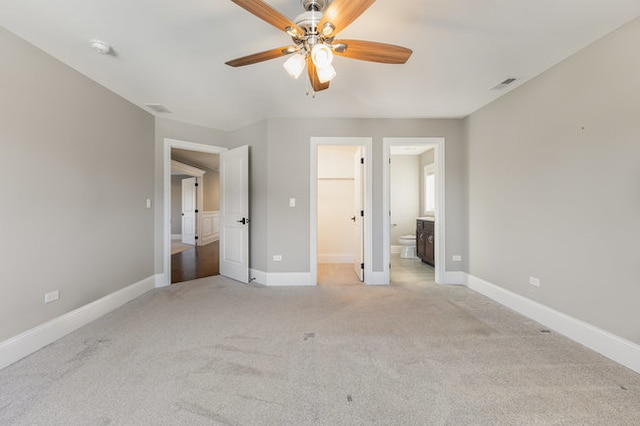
244 220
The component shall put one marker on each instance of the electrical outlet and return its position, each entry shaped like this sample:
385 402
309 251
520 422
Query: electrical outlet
456 258
534 281
292 202
52 296
277 257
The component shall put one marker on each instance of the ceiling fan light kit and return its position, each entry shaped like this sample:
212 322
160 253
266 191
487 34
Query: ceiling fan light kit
295 65
313 33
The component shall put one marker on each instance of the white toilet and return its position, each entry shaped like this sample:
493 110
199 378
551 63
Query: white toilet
408 243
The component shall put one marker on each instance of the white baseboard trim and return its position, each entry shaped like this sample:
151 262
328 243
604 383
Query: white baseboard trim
282 279
258 276
208 240
454 278
176 236
613 347
396 249
161 280
335 258
24 344
376 278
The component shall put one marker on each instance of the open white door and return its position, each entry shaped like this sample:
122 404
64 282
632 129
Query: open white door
189 211
358 214
234 214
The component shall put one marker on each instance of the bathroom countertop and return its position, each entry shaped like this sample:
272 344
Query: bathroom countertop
428 218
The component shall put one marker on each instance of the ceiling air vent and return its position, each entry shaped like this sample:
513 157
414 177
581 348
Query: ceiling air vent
157 107
503 84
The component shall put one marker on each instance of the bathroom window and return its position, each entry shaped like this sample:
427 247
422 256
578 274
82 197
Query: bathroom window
429 190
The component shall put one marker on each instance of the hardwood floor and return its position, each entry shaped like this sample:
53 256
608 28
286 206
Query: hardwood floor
195 262
204 261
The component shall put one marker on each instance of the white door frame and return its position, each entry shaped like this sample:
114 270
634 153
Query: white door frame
358 192
166 238
367 144
439 231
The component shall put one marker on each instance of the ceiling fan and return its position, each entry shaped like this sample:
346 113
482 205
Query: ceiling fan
313 33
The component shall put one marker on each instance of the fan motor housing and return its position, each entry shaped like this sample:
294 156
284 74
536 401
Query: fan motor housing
308 21
316 5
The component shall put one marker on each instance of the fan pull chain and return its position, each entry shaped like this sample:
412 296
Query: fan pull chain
310 91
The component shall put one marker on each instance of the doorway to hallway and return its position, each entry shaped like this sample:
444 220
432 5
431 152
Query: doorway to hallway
195 200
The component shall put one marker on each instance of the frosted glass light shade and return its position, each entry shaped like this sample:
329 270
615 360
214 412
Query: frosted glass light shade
325 73
295 65
321 55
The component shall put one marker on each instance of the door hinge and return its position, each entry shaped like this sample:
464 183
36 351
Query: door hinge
361 160
362 266
361 213
196 211
196 237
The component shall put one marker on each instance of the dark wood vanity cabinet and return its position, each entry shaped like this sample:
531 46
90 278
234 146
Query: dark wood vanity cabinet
425 241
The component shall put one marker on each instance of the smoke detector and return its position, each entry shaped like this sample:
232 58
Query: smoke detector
101 47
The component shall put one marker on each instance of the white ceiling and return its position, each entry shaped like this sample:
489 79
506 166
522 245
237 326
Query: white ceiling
173 53
196 159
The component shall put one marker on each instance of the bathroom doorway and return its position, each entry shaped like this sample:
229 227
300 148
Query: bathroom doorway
414 206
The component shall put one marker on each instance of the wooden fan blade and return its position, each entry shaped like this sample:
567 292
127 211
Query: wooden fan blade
313 76
268 14
373 51
341 13
262 56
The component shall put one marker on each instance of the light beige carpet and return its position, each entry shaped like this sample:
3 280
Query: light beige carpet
216 352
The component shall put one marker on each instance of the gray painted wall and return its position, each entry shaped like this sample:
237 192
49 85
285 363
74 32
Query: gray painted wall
405 173
75 170
554 186
211 201
280 161
288 176
176 203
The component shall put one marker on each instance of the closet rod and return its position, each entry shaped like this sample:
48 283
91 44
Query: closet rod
328 178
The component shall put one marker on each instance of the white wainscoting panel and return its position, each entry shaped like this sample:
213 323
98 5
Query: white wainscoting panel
210 231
